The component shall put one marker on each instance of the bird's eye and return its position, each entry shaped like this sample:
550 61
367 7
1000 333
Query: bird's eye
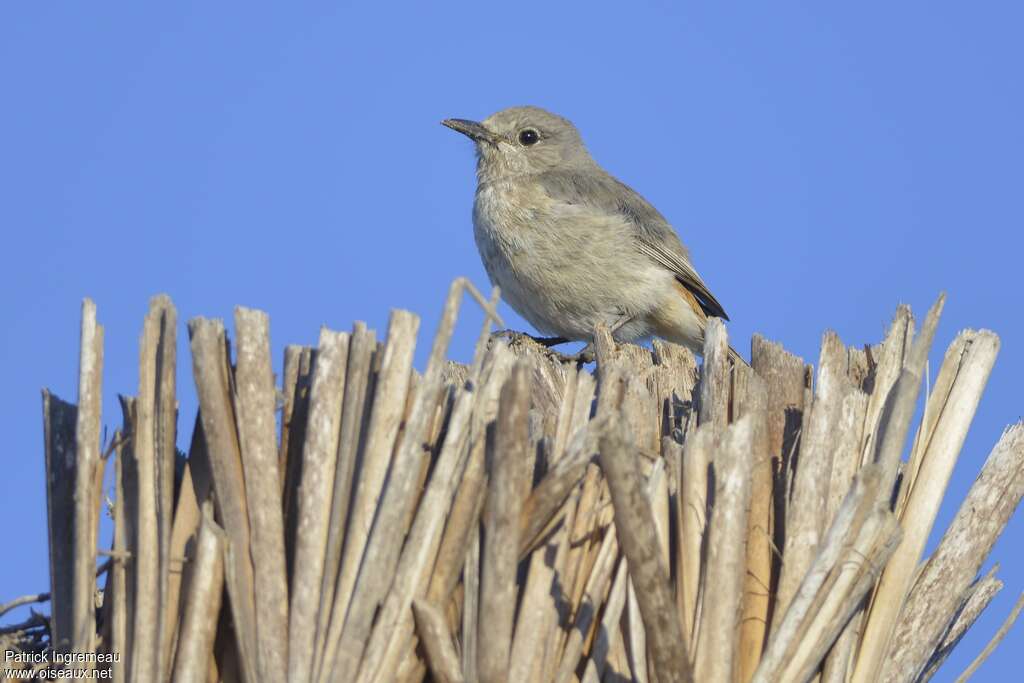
528 136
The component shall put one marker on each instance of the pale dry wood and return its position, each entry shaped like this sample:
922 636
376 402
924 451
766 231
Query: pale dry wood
501 528
87 493
163 317
389 400
433 632
979 596
858 574
394 626
857 367
471 608
548 379
785 379
583 402
59 418
675 380
934 404
538 629
210 370
255 400
846 461
849 434
888 359
597 588
657 487
119 583
603 516
491 315
992 644
413 670
618 663
186 524
714 375
292 442
752 401
636 638
634 524
854 552
461 522
856 506
894 385
319 457
29 599
609 358
805 516
672 452
898 410
559 608
836 667
358 377
202 603
581 525
540 509
638 412
642 392
597 659
948 573
923 504
583 530
593 520
289 382
726 564
130 485
581 428
146 642
456 374
697 453
564 411
538 611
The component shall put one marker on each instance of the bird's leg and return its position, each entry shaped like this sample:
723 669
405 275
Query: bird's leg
549 341
587 354
543 341
503 334
619 322
581 357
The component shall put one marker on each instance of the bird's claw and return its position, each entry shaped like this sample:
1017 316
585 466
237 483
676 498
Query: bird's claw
581 357
504 334
512 335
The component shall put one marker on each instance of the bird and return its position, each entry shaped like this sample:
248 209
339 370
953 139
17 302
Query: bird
570 246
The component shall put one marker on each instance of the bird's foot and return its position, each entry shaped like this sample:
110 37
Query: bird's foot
581 357
512 336
550 341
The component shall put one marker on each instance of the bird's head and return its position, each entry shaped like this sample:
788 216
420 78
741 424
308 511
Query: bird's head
523 141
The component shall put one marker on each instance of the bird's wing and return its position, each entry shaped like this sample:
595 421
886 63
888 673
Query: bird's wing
654 236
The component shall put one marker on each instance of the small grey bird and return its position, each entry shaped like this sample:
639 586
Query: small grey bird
571 246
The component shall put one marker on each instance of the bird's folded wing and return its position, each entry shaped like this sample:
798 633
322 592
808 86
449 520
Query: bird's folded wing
654 236
686 275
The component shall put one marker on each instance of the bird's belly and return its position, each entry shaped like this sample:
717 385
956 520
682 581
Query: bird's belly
563 282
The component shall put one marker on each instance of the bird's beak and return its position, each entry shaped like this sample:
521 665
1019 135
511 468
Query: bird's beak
471 129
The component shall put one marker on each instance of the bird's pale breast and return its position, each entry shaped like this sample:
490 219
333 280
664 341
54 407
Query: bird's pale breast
562 266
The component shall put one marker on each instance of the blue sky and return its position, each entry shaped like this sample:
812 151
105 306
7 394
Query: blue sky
823 164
